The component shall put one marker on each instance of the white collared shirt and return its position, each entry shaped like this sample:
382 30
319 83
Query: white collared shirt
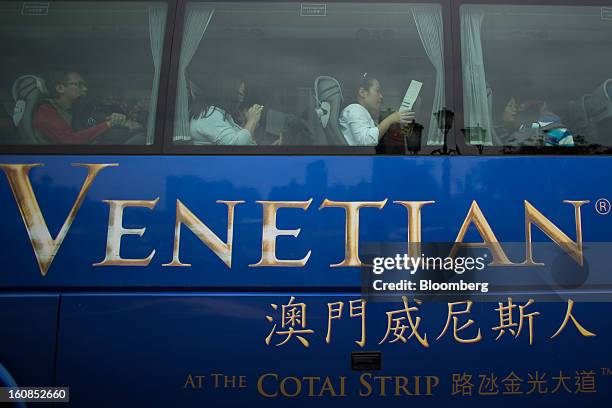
358 127
215 127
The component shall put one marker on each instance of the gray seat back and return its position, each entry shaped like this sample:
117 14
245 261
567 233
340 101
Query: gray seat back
328 95
28 91
600 104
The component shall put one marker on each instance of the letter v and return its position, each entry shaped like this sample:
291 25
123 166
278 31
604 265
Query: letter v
45 247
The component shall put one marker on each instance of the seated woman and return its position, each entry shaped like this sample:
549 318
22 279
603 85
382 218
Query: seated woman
357 120
532 124
216 118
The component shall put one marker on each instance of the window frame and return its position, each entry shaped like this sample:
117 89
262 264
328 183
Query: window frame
186 149
160 117
473 150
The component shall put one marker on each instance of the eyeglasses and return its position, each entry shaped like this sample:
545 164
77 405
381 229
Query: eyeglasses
78 84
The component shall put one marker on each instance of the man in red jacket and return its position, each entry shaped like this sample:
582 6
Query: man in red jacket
53 118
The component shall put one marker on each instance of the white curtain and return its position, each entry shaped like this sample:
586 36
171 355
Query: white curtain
428 21
475 100
157 25
196 21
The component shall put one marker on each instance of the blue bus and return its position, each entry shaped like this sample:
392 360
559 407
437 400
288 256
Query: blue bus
194 193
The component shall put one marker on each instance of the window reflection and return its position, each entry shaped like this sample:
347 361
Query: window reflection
529 75
80 72
273 74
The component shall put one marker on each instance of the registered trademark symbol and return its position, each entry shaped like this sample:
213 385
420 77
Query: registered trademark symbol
602 206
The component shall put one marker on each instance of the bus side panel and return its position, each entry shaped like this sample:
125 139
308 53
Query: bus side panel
173 349
28 338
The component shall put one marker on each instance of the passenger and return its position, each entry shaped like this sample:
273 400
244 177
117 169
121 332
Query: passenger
216 117
507 121
531 124
53 117
357 121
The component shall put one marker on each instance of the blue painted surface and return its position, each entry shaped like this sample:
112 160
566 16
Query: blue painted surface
27 339
141 348
499 184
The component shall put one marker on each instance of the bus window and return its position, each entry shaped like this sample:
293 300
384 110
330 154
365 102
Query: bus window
286 74
80 72
537 75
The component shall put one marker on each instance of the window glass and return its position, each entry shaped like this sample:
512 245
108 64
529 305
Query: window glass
537 75
79 72
291 74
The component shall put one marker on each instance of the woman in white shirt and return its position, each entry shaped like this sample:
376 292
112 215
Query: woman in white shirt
357 120
213 118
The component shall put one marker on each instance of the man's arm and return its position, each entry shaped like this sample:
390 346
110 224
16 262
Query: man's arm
50 123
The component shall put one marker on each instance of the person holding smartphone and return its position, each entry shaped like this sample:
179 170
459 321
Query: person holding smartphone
215 118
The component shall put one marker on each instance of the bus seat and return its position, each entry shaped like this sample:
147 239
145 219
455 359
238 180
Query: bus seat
600 113
577 120
328 95
28 90
587 109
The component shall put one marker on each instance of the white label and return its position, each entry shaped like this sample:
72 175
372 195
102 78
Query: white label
35 8
411 96
606 13
313 10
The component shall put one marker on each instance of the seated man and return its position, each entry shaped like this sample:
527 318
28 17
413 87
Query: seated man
53 117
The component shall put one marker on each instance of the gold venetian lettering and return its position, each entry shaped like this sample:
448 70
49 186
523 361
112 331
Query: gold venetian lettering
189 382
222 249
401 383
327 387
270 232
260 387
351 233
431 382
490 241
414 225
45 247
298 387
366 384
116 231
311 381
342 386
533 216
383 384
192 383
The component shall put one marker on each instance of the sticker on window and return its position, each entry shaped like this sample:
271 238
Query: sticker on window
606 13
313 10
35 8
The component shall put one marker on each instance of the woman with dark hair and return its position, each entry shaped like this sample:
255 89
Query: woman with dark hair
357 120
216 116
531 123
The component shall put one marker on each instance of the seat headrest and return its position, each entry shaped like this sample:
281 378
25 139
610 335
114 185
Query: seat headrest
27 90
600 104
25 85
327 92
327 89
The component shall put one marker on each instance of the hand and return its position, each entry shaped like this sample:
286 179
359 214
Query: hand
132 125
253 115
404 117
115 119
